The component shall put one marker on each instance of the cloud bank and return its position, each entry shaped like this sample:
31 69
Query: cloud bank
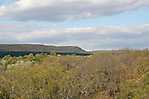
61 10
109 37
101 37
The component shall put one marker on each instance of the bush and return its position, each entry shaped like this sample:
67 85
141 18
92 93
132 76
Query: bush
103 75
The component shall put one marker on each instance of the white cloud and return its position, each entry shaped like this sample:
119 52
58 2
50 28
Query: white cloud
60 10
87 37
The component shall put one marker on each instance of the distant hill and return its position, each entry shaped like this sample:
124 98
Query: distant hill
36 48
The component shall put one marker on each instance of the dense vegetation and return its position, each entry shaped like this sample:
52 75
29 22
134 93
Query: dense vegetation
104 75
24 49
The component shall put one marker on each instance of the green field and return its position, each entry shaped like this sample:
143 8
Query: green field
104 75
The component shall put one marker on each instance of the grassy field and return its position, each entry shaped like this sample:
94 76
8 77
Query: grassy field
104 75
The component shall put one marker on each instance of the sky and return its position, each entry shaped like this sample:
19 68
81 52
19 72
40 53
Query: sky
90 24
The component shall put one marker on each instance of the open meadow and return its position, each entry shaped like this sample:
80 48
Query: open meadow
103 75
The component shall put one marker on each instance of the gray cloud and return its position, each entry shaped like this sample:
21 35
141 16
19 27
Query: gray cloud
109 37
60 10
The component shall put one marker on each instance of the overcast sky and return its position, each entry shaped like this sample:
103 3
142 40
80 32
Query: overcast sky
90 24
